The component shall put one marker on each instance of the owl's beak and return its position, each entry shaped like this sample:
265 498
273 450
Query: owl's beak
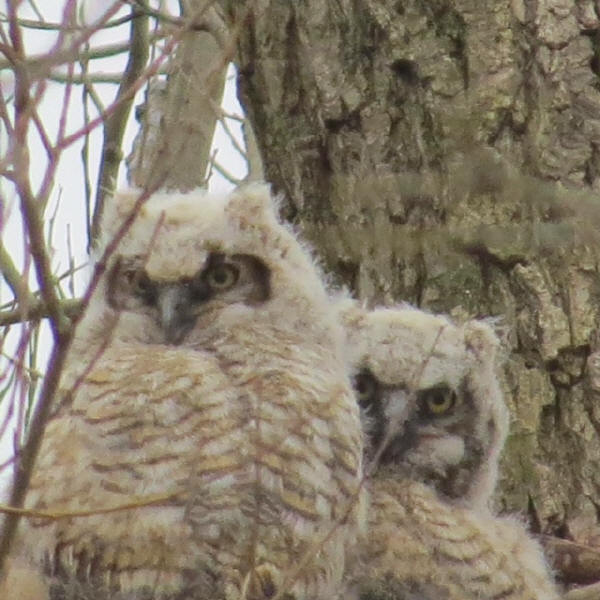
175 304
398 403
398 406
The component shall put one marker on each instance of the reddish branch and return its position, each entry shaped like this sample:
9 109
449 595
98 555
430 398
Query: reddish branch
48 393
32 209
29 88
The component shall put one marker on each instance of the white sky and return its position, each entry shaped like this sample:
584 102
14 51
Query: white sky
68 198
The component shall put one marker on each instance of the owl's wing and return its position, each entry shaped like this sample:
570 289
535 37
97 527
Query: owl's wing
122 449
193 479
418 542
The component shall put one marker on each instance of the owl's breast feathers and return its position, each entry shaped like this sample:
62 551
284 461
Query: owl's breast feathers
417 539
234 474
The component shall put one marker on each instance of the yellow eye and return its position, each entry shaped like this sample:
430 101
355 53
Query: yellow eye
438 401
365 386
222 277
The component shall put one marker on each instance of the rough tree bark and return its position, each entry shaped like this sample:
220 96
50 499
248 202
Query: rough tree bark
446 152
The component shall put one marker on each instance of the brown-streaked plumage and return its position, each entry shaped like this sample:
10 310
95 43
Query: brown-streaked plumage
207 376
435 422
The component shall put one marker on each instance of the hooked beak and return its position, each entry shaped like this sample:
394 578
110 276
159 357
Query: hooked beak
397 407
176 310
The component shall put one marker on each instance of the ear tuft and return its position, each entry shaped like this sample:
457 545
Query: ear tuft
116 209
481 339
349 311
253 203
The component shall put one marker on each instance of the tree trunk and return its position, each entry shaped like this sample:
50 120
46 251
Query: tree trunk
443 152
172 148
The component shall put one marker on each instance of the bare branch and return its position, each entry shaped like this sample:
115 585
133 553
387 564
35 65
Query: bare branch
31 206
45 25
256 170
43 136
86 78
232 116
29 451
225 173
48 393
232 138
199 24
4 113
68 273
33 61
114 127
35 8
141 502
40 65
14 278
37 310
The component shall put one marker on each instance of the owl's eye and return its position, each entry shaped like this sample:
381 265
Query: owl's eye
140 285
437 401
223 276
366 387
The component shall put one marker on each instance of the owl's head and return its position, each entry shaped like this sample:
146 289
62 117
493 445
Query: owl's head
191 262
430 398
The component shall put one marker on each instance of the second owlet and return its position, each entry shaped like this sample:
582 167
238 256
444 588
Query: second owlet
435 422
207 433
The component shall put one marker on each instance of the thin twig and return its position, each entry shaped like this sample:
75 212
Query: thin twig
114 127
37 310
30 205
36 295
39 65
95 53
91 92
41 413
395 425
36 10
32 373
35 229
15 280
225 173
45 25
28 452
142 7
18 390
87 92
256 170
90 78
43 136
4 116
293 574
150 500
151 70
29 384
233 116
32 211
240 149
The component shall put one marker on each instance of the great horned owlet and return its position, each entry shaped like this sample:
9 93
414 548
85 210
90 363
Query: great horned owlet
207 424
436 422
